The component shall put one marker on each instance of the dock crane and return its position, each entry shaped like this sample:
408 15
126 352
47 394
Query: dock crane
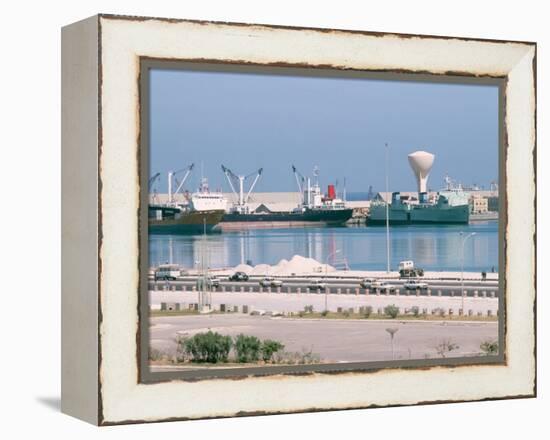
300 181
152 181
235 181
173 179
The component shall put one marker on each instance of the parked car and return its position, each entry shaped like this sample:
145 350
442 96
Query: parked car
239 276
376 284
367 283
387 287
415 285
270 282
317 285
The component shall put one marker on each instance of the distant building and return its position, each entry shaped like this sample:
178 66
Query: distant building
479 204
258 201
490 196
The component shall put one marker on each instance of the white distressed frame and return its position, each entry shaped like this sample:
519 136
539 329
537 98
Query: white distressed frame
122 42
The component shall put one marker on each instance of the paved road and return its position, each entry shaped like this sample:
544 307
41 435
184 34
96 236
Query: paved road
334 286
335 340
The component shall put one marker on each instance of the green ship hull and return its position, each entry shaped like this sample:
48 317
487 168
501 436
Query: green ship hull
420 215
172 221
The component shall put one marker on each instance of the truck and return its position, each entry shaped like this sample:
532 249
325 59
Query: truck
407 270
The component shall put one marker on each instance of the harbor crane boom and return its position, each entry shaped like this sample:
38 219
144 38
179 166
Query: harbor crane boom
300 181
234 180
172 175
152 180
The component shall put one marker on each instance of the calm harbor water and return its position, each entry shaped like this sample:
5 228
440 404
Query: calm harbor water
360 247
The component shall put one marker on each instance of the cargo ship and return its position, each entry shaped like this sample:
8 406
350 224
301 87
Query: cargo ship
200 213
315 209
449 207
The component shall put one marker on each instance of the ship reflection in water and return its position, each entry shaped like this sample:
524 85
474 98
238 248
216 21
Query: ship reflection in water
362 248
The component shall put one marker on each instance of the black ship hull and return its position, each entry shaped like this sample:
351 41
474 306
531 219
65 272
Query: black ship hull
310 217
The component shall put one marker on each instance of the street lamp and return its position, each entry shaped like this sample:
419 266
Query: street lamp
387 210
464 238
392 332
337 251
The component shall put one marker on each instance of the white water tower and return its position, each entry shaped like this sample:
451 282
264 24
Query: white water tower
421 163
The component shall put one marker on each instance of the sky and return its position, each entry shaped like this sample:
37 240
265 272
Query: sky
251 121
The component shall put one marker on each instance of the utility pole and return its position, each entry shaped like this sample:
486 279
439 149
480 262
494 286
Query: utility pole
387 211
464 238
337 251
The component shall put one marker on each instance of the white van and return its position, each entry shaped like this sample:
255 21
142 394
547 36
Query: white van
167 272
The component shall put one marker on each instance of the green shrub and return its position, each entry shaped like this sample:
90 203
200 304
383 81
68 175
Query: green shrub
489 348
324 313
269 348
367 311
208 347
247 348
346 313
415 311
392 311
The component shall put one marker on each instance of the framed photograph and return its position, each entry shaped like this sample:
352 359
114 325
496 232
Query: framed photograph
264 219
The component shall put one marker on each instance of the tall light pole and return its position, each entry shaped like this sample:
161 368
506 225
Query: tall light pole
387 210
392 332
464 238
337 251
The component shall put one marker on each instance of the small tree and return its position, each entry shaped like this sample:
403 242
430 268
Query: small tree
489 348
392 311
415 311
269 348
247 348
324 313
